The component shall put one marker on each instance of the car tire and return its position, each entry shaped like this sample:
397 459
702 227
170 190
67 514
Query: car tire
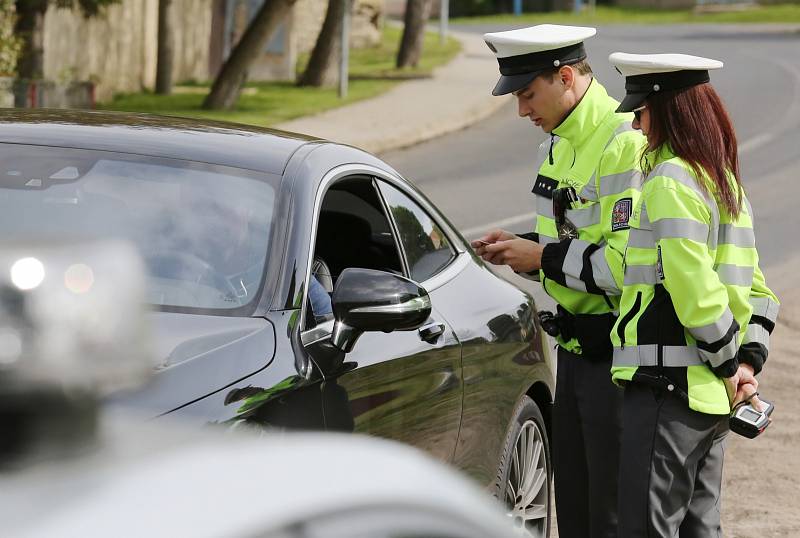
526 441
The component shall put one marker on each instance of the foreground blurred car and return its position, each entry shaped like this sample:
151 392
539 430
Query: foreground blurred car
239 227
160 480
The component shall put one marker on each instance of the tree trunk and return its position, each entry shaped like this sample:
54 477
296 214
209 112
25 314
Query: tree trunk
166 44
228 84
416 17
30 27
322 68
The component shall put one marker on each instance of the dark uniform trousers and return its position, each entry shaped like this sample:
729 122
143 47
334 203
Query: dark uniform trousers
671 467
586 435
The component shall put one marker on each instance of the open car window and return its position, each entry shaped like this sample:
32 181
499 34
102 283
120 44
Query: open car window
353 231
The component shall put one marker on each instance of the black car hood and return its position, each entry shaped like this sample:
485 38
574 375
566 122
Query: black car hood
200 355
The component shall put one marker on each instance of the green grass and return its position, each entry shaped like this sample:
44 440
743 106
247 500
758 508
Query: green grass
782 13
267 103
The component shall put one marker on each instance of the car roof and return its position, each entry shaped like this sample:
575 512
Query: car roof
222 143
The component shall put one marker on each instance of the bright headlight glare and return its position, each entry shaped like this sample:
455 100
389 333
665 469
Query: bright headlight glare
73 315
27 273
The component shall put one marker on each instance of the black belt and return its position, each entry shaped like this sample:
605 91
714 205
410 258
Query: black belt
593 331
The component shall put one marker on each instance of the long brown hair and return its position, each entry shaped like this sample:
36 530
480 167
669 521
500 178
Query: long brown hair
698 129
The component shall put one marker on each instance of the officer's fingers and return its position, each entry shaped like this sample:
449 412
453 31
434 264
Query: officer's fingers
744 392
488 256
496 235
745 374
758 404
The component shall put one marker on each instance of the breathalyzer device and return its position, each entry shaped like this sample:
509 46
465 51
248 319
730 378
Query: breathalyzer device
748 421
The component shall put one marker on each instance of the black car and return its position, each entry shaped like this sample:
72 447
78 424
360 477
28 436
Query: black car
238 227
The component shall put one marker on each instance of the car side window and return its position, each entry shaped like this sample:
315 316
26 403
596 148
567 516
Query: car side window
353 230
426 246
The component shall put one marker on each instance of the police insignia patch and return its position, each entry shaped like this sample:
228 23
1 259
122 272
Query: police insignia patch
621 214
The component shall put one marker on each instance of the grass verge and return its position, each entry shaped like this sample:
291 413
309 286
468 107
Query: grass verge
372 72
781 13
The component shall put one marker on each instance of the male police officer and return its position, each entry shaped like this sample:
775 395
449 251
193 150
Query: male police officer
586 186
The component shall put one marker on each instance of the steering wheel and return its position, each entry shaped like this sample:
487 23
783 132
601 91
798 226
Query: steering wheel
179 265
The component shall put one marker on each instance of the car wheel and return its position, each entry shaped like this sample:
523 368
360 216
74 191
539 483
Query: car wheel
523 476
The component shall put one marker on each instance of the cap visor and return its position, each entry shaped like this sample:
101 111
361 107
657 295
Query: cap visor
632 101
513 83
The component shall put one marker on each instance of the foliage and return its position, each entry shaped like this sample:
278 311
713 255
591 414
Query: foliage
782 13
10 44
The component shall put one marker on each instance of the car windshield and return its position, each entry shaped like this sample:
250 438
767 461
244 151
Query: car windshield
203 230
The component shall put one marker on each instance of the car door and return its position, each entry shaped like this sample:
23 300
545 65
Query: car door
403 385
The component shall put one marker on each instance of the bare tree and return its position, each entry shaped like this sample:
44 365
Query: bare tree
233 74
166 46
416 16
322 68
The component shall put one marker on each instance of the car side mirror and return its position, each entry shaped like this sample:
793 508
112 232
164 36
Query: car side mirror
369 300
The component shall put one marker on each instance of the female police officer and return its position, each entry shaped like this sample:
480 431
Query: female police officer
692 295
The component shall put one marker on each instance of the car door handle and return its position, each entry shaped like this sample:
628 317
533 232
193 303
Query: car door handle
431 332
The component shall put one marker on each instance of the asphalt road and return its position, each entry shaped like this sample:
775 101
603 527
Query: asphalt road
481 177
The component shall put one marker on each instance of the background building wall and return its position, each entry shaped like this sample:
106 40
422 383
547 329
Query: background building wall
117 49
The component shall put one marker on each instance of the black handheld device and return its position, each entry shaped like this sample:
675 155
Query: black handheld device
748 421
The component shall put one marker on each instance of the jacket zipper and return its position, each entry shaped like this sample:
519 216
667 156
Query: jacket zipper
637 304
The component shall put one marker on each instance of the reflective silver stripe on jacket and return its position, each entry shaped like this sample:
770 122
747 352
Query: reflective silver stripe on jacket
679 174
585 216
713 332
641 238
573 261
765 307
756 333
647 355
736 235
684 177
545 240
573 267
640 274
544 207
680 229
616 183
726 353
735 275
601 271
589 191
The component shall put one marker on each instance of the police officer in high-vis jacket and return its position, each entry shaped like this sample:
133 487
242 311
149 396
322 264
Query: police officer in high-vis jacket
586 182
695 312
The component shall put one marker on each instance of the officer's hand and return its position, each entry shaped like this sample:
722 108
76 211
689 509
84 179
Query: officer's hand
521 255
492 237
742 386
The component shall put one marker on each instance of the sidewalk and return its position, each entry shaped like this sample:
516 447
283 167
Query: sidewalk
457 96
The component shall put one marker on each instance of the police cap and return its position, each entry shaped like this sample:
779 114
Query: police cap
526 53
646 74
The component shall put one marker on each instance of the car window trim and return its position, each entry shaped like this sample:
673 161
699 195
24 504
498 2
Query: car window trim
456 265
331 177
459 257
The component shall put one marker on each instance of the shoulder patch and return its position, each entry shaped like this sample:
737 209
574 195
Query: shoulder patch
621 214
